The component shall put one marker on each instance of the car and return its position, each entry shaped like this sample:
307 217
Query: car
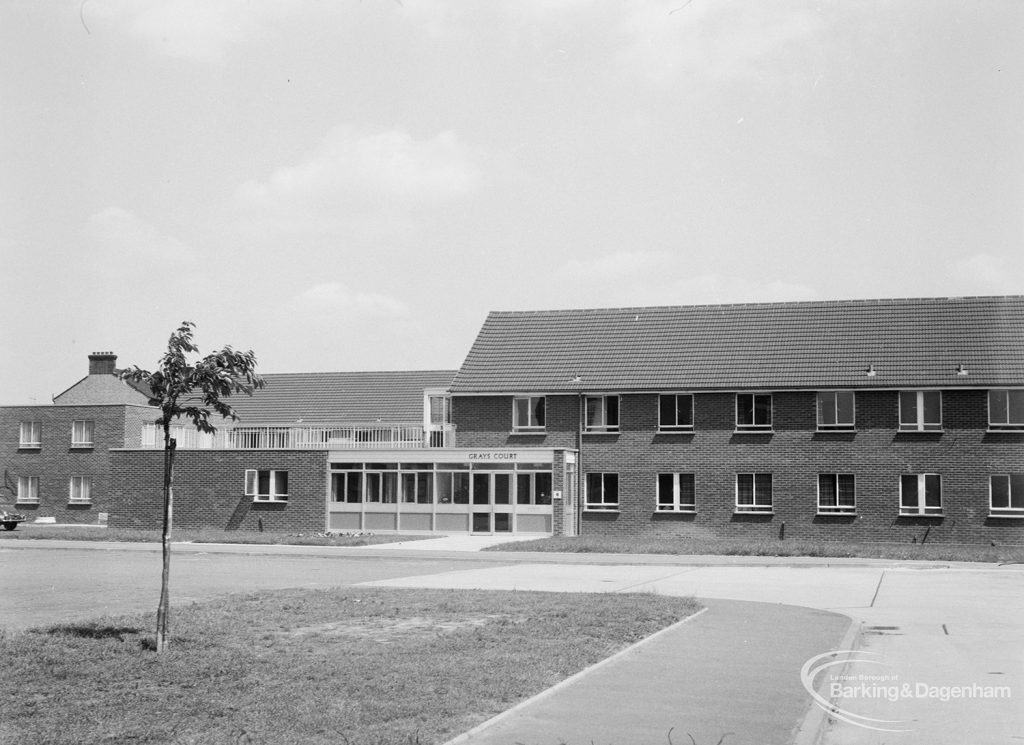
9 518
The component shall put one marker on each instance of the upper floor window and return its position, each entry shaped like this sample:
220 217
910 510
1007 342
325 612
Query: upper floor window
920 411
836 494
920 494
81 433
1006 409
675 412
528 413
835 410
676 492
753 492
80 489
439 409
30 435
602 414
266 486
1007 495
753 411
28 488
602 491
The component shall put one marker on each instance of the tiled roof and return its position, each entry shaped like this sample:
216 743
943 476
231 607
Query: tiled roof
831 344
339 398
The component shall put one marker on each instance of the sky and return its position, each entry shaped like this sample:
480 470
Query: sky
353 185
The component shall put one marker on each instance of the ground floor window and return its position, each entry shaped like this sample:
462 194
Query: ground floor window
602 491
28 488
347 487
1007 495
533 488
80 489
676 492
836 494
920 494
754 492
441 483
266 486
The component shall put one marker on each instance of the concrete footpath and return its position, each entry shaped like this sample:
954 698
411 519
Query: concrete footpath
726 672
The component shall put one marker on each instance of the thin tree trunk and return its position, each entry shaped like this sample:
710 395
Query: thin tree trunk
163 610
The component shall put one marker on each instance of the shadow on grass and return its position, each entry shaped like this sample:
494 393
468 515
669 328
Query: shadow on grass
92 630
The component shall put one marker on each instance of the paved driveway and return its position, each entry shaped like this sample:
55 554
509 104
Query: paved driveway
947 641
943 627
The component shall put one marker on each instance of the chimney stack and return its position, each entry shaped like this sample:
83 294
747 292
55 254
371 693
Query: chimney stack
102 363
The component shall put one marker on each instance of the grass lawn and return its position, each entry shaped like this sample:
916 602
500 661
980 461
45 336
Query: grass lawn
740 547
357 665
96 533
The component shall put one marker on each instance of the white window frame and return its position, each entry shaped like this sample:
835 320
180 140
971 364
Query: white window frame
531 424
675 426
603 505
919 424
252 480
30 434
837 508
28 490
1005 424
754 426
600 423
82 433
833 407
757 508
80 490
1014 489
676 504
921 509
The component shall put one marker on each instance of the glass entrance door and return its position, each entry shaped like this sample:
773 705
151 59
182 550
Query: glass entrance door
492 503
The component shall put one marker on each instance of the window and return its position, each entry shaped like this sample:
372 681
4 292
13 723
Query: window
836 494
675 412
81 433
754 492
533 488
1006 409
920 411
418 486
452 487
28 488
347 486
81 489
1007 495
602 491
835 410
753 411
266 486
920 494
676 492
528 413
602 414
30 435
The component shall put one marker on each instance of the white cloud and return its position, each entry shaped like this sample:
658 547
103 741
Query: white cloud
125 235
190 29
353 179
661 278
336 299
717 40
987 274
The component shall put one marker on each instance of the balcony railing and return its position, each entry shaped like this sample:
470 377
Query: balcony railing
349 437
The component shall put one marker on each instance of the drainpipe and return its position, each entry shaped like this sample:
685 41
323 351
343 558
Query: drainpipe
578 510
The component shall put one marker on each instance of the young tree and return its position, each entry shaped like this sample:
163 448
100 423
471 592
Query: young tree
192 391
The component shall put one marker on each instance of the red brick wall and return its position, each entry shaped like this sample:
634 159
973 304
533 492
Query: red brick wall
210 490
965 454
55 462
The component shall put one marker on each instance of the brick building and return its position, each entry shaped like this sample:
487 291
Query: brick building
889 420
